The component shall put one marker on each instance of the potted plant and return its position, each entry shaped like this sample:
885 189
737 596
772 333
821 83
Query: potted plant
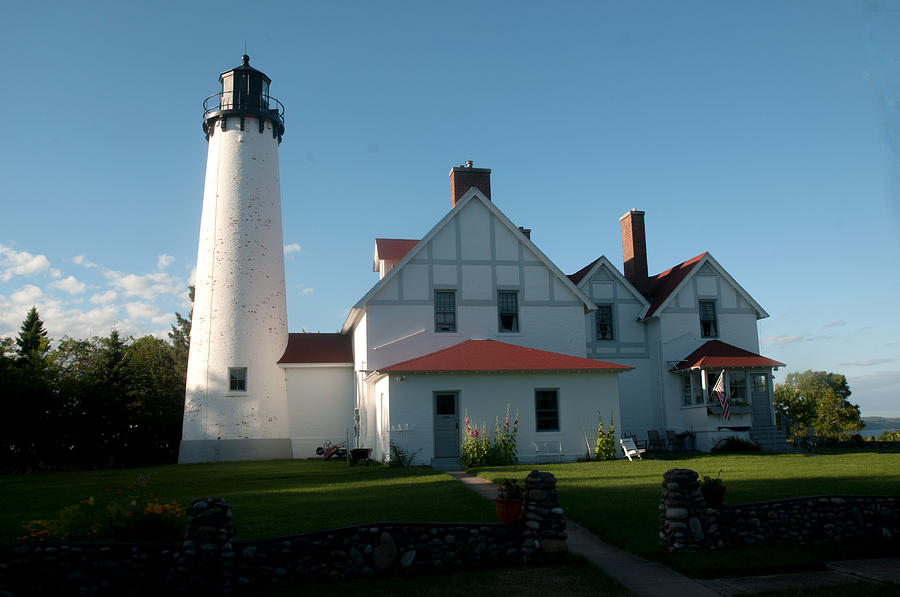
509 501
713 490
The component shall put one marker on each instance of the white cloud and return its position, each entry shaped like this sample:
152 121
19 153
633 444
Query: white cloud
82 260
164 261
147 286
20 263
139 310
781 339
27 295
867 363
834 324
70 285
290 249
305 290
105 297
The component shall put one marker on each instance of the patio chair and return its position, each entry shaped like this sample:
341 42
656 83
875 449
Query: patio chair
629 448
655 442
676 444
640 443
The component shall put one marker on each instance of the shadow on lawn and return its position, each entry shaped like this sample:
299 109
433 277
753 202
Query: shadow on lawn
628 517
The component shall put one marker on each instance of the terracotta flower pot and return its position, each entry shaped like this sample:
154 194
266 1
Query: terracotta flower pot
507 510
714 495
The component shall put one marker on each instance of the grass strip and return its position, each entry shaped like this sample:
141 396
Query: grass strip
270 498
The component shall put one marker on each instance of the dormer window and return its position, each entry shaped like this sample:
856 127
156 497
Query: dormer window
709 328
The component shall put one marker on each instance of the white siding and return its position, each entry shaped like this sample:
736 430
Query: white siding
485 397
401 324
320 406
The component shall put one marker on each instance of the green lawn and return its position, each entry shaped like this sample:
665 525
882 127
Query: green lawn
268 498
575 577
618 500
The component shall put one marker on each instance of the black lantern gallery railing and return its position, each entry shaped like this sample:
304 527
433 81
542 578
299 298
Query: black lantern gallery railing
232 103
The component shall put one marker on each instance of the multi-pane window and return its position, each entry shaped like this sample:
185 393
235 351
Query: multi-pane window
737 385
546 410
687 397
758 383
445 311
712 378
237 379
692 389
508 310
605 322
708 326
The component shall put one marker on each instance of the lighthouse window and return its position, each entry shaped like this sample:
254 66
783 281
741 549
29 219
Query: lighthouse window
237 379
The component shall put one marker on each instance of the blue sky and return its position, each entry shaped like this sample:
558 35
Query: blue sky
767 133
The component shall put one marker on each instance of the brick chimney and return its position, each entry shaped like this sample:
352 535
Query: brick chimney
634 249
463 178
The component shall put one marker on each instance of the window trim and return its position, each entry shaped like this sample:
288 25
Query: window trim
437 329
516 327
714 331
610 323
537 418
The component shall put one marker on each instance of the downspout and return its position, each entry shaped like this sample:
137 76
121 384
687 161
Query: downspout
662 393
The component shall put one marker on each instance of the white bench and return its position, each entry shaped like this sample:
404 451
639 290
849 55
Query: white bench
550 449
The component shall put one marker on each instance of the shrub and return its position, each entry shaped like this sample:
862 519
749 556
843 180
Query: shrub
734 444
477 449
134 515
605 448
401 456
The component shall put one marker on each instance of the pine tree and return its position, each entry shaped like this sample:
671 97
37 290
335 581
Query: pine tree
32 340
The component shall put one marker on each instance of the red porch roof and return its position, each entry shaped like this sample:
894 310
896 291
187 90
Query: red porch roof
716 354
317 348
490 355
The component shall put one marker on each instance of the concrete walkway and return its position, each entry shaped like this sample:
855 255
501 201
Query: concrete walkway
650 579
642 577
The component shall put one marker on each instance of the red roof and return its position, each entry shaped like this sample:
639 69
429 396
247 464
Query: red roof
393 249
490 355
317 348
577 276
661 285
717 354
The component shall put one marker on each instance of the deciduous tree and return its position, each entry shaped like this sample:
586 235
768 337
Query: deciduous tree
818 399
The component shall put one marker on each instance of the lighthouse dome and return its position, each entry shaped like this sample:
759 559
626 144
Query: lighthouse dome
244 91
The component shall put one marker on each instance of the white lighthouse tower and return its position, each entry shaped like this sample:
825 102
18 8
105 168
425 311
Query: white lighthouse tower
235 401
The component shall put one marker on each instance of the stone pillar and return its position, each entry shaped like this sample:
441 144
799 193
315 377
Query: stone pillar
685 523
208 558
544 533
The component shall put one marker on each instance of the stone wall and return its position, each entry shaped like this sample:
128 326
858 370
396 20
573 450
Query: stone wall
811 520
687 524
210 562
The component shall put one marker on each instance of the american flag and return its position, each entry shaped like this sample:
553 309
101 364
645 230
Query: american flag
719 390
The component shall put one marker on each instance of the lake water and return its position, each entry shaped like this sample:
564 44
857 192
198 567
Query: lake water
874 432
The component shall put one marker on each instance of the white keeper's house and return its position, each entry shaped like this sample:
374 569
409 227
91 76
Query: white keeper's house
467 319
